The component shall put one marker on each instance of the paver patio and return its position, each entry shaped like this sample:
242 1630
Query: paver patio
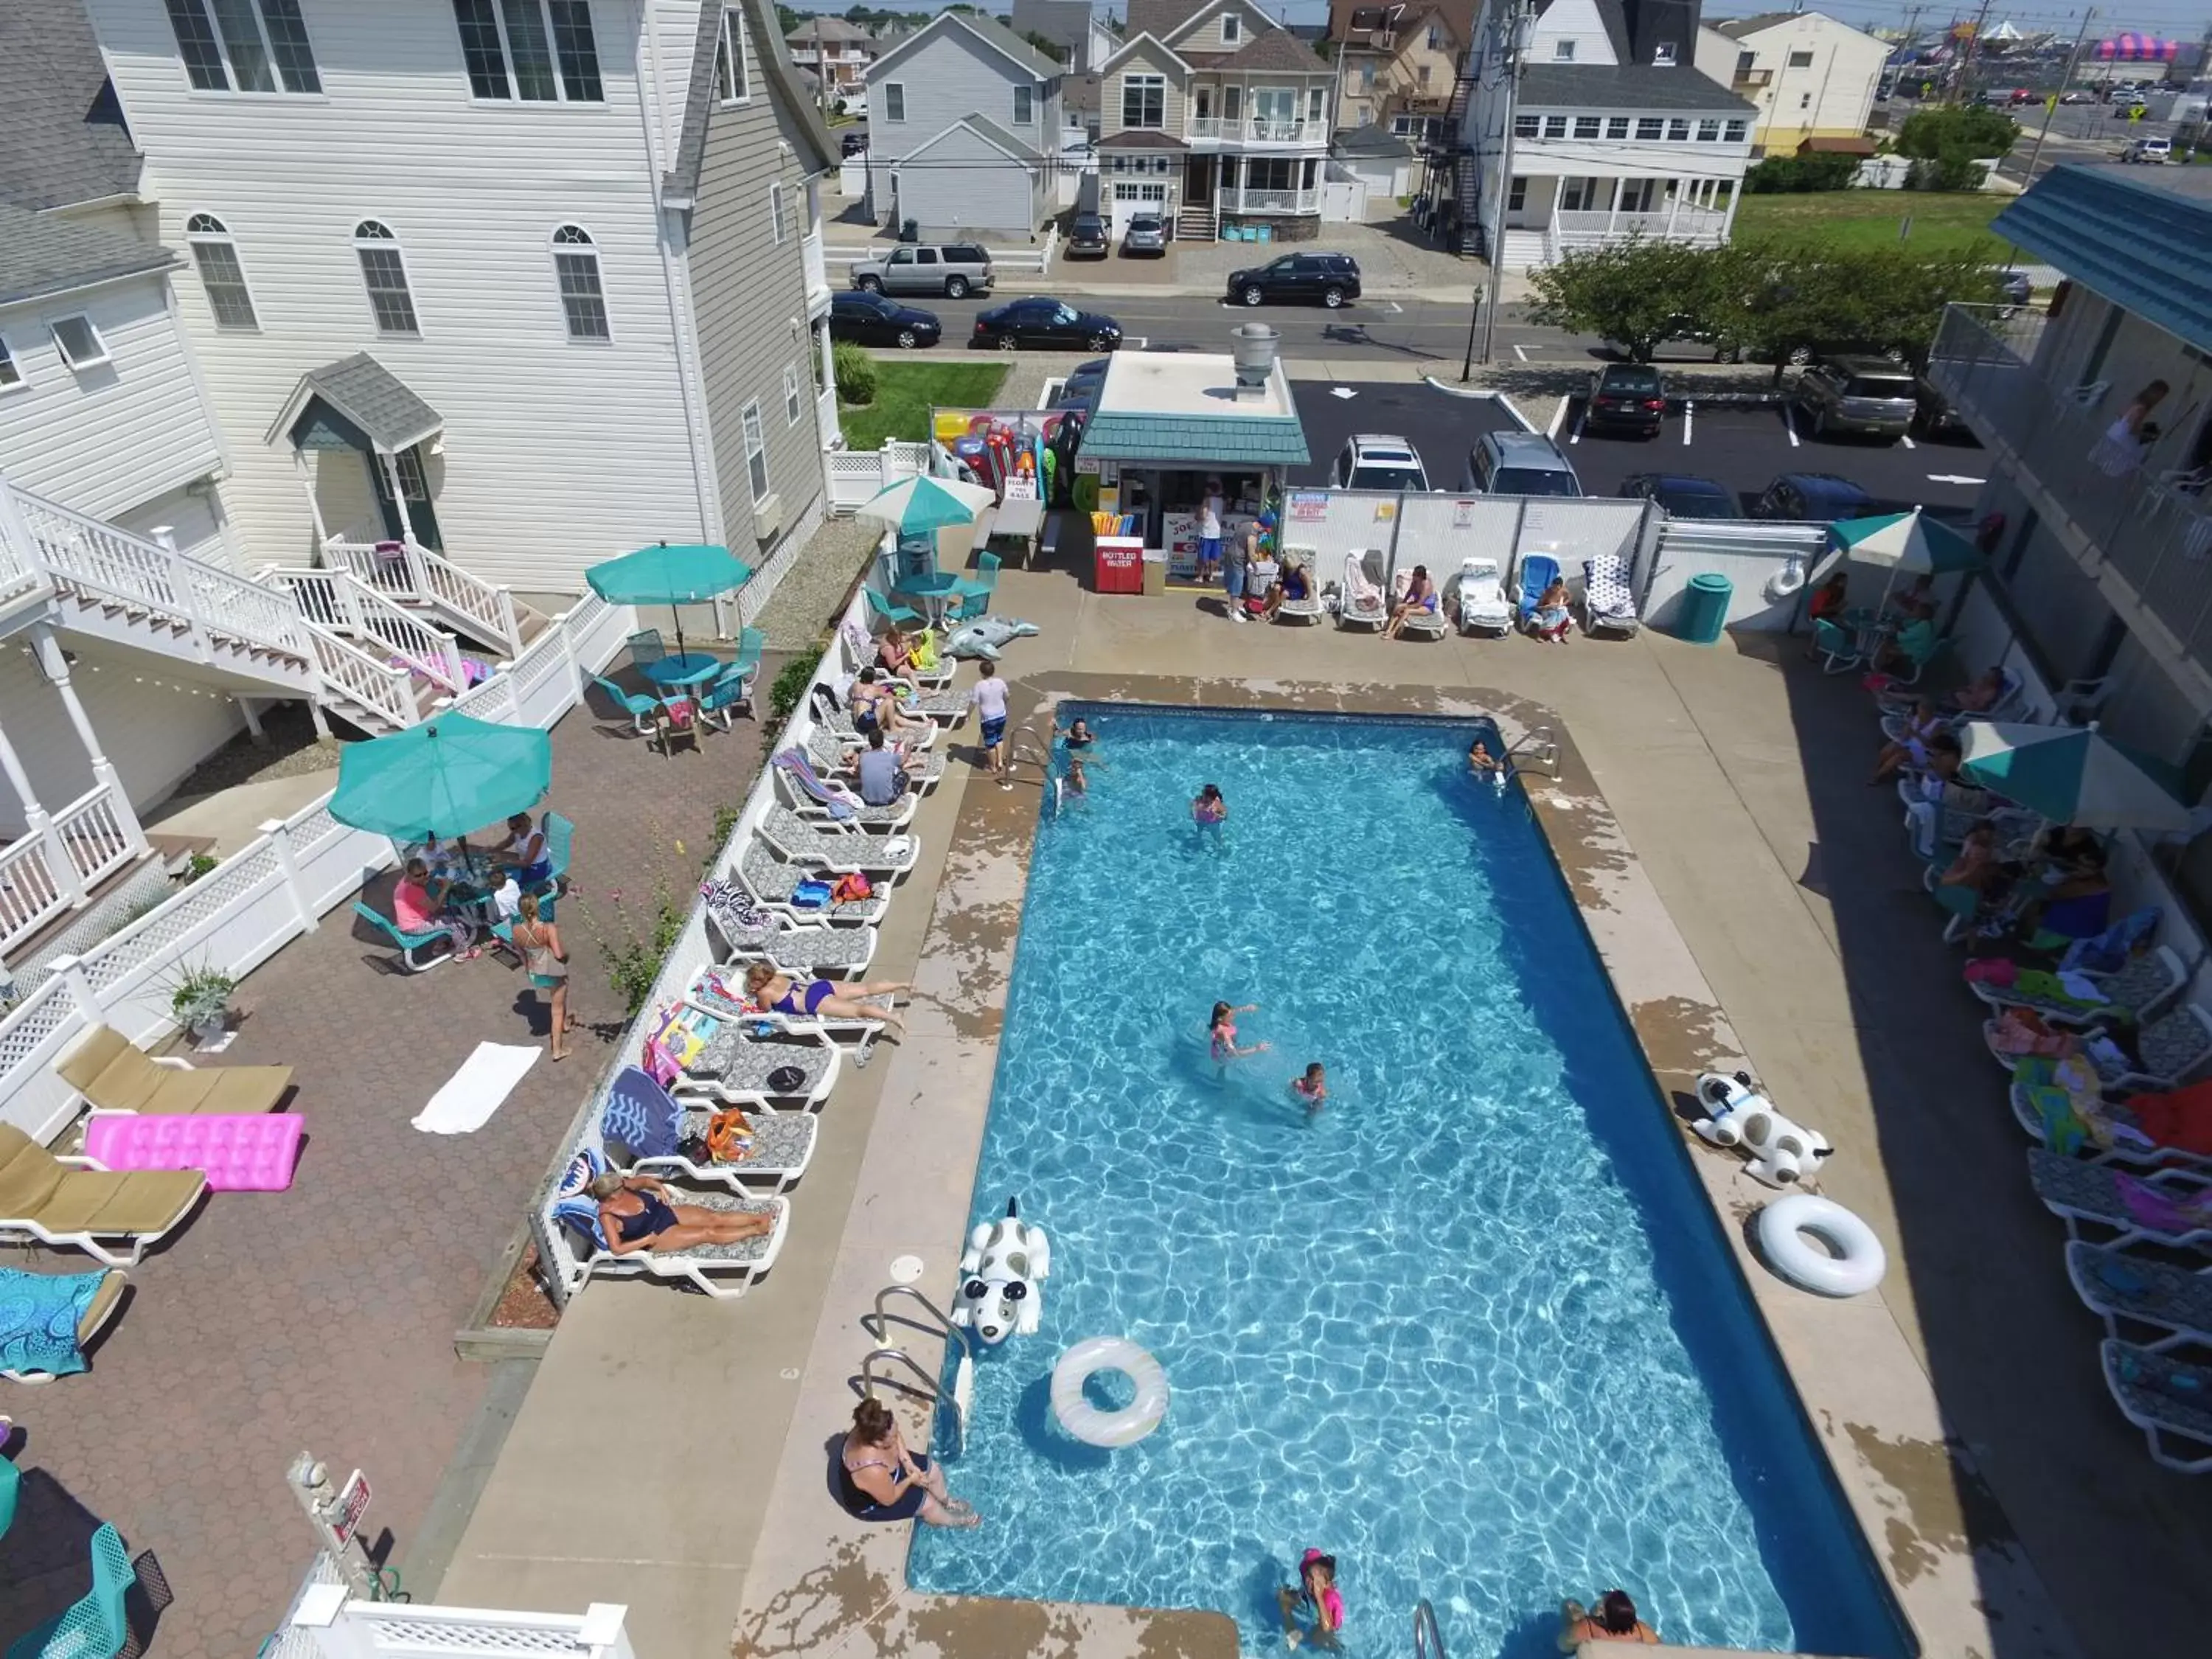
323 1318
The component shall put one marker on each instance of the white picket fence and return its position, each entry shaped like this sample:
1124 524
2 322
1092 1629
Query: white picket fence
273 889
327 1622
856 475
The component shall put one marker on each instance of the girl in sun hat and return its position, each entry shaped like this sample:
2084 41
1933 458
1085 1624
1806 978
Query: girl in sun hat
1316 1595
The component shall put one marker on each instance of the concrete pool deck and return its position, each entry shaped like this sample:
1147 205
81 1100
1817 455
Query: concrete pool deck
2013 1511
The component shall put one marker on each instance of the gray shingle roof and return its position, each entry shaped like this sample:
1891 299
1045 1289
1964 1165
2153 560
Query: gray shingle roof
1213 440
679 185
999 135
40 253
1141 138
1626 87
1371 141
370 395
995 34
1277 49
61 137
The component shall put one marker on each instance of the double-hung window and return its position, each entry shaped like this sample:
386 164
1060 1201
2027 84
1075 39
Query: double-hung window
1144 100
221 277
755 451
791 404
1734 132
541 52
1678 129
1024 107
384 274
778 214
1586 126
1709 131
1555 126
1616 126
583 297
244 46
1527 126
733 75
1649 126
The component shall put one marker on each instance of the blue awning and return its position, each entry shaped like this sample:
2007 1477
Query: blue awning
2140 236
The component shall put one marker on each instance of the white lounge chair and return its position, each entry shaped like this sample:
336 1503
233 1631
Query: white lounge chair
772 882
1428 624
726 999
750 1061
2111 1131
2163 1396
1480 598
1608 601
2120 1285
654 1124
861 646
2135 992
722 1271
845 851
831 713
2168 1208
830 800
834 752
2167 1050
947 705
1309 610
1359 604
749 932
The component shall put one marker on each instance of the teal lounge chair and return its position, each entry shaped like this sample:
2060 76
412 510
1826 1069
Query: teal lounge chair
640 710
975 590
891 611
96 1627
1837 651
409 944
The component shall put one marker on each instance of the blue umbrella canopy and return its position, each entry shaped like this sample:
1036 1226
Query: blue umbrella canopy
445 777
921 505
669 576
2074 775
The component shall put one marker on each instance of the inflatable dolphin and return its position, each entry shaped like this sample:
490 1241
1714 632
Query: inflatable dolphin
984 637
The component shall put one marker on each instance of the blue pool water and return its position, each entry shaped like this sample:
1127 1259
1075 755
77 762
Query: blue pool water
1473 1330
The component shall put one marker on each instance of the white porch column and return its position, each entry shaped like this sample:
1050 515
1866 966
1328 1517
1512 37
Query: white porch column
308 485
54 664
390 464
1613 213
1674 204
37 826
1728 225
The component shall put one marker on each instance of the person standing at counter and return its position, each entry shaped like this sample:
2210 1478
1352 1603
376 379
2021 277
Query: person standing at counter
1209 531
1236 562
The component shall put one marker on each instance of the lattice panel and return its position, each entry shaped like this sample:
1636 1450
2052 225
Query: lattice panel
312 829
202 901
38 1017
422 1634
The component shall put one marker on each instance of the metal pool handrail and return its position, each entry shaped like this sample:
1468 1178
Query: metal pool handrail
882 1329
1428 1640
1536 747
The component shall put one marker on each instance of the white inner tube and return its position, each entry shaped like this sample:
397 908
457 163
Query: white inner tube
1787 581
1086 1421
1859 1260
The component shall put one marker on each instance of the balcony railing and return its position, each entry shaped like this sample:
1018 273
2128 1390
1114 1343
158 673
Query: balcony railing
1699 227
2147 523
1252 129
818 270
1271 201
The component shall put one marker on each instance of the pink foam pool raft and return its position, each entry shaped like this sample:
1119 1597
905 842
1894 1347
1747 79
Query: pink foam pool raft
239 1154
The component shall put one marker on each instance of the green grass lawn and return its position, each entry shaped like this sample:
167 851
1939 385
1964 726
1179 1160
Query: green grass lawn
906 393
1943 221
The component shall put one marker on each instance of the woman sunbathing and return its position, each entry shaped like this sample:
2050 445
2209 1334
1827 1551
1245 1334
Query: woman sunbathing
1911 747
895 656
1421 600
780 993
1980 696
1551 621
635 1214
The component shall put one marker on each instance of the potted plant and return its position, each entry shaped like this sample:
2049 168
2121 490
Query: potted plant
201 1002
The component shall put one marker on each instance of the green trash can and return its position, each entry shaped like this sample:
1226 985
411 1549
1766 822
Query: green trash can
1705 609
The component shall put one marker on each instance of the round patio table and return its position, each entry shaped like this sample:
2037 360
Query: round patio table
681 671
934 591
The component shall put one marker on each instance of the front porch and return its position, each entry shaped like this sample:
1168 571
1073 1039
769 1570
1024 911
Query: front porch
1229 191
1571 213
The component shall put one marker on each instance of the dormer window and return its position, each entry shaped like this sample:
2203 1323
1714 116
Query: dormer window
1563 52
1662 55
1232 29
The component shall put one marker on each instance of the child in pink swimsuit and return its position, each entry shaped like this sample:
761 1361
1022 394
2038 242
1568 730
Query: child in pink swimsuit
1317 1594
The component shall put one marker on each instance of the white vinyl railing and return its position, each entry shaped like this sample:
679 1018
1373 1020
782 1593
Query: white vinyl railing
256 902
1274 201
30 893
1253 128
856 475
1703 227
338 601
60 860
94 835
348 671
409 571
328 1623
818 270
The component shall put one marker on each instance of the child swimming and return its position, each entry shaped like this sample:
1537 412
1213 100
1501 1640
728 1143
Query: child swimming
1483 765
1312 1088
1078 783
1078 735
1221 1033
1209 811
1316 1595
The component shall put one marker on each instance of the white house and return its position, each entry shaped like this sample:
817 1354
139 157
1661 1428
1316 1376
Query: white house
1615 133
1810 76
441 290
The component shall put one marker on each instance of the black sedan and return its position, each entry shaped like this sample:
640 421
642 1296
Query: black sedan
1630 395
871 320
1684 494
1038 321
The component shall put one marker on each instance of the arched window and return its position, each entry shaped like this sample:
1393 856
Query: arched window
222 277
384 273
583 300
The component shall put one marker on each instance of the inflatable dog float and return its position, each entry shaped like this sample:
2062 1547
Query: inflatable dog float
1781 1152
1000 1278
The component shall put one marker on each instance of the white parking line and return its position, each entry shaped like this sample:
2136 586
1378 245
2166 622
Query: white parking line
1689 414
1559 415
1907 438
1954 479
1790 425
1394 305
1521 352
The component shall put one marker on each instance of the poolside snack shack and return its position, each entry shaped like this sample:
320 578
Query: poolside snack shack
1166 424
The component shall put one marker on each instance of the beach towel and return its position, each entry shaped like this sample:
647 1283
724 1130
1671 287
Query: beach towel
2108 952
2159 1211
39 1317
473 1094
2181 1119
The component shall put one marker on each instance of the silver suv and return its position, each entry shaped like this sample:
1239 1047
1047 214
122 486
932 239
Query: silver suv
1518 464
1858 394
955 270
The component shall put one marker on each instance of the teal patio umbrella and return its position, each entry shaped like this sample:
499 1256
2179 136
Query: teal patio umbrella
672 576
445 777
1910 541
922 506
2073 774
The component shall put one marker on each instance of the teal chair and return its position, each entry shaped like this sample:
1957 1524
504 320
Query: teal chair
733 689
640 709
891 611
410 943
1838 651
11 1481
1919 656
96 1627
975 590
645 646
751 643
560 837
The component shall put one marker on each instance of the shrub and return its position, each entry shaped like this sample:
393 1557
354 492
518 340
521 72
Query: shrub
1964 129
1943 172
1785 173
790 686
856 374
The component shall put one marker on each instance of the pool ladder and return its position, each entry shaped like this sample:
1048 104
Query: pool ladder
1428 1640
925 1387
1538 748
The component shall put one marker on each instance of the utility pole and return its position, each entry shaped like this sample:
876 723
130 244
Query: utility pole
2065 81
1974 48
1514 26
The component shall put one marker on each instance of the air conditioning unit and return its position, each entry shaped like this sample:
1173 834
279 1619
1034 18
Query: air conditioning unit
767 517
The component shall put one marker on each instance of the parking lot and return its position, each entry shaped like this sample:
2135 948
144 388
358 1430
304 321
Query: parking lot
1743 447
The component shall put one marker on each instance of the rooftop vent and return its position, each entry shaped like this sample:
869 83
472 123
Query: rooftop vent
1253 345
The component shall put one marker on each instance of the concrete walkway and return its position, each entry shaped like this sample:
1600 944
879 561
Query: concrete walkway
2014 1512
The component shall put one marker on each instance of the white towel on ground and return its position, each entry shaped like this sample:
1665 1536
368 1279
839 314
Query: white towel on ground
473 1094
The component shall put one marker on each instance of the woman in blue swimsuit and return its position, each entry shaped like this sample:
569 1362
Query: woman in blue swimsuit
634 1214
823 999
879 1479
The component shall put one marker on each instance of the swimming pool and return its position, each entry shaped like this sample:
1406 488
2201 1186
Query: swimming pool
1473 1329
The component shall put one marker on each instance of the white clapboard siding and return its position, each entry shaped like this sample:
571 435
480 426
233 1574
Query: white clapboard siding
107 439
555 454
